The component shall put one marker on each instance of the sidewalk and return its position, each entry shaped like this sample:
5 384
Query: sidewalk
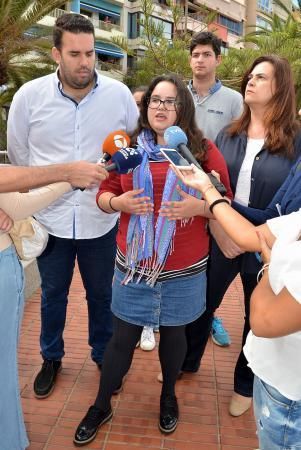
203 397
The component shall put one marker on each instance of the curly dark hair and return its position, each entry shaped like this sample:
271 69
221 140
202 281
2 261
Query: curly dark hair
185 116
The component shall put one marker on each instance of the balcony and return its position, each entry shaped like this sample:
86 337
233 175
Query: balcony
108 26
108 66
195 23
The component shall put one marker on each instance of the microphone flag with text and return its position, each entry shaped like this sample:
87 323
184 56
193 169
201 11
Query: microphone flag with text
114 142
124 161
176 138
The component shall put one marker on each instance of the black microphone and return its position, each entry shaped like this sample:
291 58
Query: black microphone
176 138
125 161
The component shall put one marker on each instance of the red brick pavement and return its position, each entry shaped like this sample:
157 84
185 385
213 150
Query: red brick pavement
203 397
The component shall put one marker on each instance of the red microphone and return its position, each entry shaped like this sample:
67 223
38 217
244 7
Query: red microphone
114 142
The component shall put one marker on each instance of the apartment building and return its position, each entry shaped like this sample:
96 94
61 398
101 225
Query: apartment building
121 18
259 11
228 22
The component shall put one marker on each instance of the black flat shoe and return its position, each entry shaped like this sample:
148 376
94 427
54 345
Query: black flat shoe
169 414
89 426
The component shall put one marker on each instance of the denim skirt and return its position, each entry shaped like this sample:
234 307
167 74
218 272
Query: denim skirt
172 302
12 429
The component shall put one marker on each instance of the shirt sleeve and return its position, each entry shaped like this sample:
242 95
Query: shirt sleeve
18 130
132 114
216 161
21 205
237 106
111 184
292 275
286 254
286 227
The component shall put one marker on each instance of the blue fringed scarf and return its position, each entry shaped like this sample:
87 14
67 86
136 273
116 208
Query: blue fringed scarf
149 244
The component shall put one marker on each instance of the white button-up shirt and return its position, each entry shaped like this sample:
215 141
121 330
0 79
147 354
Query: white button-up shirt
45 126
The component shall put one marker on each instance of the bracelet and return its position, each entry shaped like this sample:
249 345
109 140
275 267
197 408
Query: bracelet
216 202
260 273
110 204
210 186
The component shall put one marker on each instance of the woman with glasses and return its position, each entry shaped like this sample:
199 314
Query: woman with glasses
160 274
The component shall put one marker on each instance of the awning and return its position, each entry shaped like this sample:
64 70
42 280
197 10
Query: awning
102 10
108 49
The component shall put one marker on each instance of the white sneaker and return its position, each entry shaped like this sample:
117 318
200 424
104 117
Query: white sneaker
147 341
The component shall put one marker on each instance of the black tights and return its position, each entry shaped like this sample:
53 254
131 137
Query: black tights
119 354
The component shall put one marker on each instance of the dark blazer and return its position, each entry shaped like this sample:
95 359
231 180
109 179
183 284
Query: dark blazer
286 200
269 172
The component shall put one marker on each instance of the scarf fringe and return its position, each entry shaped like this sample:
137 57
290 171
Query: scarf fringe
150 268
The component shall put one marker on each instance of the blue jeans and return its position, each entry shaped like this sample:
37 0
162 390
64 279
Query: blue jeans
12 428
95 259
278 419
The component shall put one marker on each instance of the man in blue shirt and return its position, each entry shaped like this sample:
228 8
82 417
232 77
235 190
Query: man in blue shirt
61 117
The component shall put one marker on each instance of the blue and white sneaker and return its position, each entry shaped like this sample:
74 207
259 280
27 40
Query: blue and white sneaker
219 335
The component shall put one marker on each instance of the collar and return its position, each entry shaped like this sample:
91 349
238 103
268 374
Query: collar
60 85
214 88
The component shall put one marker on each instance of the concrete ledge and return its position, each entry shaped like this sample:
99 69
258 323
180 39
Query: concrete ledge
32 277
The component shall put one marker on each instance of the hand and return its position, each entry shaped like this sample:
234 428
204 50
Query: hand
6 222
131 204
227 246
195 178
265 249
184 209
84 174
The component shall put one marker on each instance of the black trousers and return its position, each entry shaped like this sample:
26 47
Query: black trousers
221 272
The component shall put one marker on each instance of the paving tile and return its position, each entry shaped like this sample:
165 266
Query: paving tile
205 423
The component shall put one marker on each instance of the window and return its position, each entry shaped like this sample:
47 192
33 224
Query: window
133 25
232 26
260 22
265 5
107 62
135 29
224 48
167 27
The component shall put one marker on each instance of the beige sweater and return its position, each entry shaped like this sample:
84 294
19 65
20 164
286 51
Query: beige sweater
21 205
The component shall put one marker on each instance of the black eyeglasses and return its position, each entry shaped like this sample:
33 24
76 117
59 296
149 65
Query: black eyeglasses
170 104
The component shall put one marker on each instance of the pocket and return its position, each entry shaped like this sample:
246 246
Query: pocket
274 395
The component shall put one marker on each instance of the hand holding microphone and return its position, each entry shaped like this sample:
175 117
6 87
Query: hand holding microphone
176 138
123 161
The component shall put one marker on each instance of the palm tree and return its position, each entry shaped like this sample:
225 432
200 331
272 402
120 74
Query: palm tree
23 48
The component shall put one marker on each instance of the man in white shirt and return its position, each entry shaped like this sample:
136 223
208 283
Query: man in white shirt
63 117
